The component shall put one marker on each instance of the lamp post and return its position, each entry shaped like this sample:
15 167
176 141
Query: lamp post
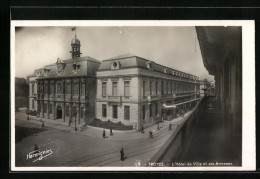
84 109
75 120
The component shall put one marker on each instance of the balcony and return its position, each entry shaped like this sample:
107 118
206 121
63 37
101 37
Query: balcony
114 98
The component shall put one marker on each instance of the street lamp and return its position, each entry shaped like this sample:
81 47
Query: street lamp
75 120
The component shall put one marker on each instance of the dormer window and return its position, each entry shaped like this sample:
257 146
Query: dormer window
46 71
149 65
115 65
165 70
75 67
173 73
38 72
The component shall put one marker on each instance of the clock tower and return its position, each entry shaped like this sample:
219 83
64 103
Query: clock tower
75 47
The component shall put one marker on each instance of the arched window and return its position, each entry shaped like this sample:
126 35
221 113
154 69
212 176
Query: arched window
58 88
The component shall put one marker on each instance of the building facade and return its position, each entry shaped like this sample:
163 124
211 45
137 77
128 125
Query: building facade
140 92
66 89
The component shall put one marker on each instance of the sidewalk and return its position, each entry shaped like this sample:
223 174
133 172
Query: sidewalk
97 132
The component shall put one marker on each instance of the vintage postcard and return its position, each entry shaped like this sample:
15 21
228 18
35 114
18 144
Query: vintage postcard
132 95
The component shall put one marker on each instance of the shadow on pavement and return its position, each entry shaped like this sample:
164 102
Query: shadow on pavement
23 132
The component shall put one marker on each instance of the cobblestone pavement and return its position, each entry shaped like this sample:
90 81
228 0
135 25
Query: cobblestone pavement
87 147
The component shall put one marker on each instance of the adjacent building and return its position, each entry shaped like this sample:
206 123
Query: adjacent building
140 92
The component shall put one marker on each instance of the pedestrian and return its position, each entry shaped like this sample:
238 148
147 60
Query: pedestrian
42 124
28 118
170 126
158 127
111 132
36 149
151 134
122 154
104 134
142 129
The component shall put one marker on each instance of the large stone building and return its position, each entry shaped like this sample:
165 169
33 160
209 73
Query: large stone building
66 89
140 92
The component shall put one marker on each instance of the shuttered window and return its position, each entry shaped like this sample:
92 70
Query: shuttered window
127 88
104 110
114 87
127 112
143 88
151 87
104 89
115 111
82 92
50 109
156 88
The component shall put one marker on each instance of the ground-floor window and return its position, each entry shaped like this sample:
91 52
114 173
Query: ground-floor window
156 108
45 108
115 111
143 111
104 110
50 110
127 112
33 104
67 111
82 112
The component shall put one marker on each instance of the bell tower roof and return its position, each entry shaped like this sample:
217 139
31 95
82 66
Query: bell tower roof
75 40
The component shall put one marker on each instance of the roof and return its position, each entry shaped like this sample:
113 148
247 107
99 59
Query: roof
87 67
129 60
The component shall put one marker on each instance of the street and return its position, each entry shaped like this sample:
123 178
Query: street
87 148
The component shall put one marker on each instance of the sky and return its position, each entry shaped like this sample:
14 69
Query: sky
174 47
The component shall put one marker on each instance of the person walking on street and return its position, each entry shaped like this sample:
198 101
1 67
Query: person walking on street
122 154
104 134
42 124
142 129
111 132
170 126
28 118
158 127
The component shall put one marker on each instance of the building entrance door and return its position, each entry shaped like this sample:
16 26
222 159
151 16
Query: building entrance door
59 112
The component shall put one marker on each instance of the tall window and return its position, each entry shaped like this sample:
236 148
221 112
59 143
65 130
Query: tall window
82 92
33 104
51 89
162 88
167 87
76 88
50 109
104 110
151 110
156 87
58 88
115 111
143 88
104 89
156 108
46 89
82 112
127 88
151 87
67 111
143 112
45 108
68 88
171 87
127 112
32 88
114 89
